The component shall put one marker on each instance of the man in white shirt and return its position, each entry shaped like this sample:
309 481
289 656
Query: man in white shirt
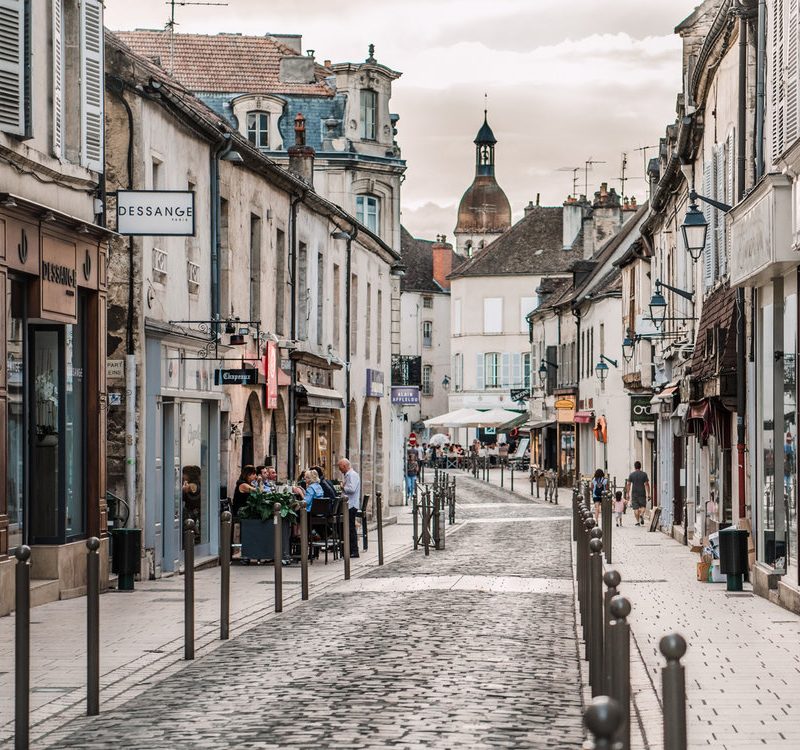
351 486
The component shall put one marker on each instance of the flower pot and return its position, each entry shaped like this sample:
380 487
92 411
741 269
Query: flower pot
258 539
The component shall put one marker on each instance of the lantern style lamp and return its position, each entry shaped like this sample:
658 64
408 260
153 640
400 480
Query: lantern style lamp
694 230
542 373
658 307
628 346
601 369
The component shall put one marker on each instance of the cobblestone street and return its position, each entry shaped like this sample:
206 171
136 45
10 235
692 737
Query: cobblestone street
471 647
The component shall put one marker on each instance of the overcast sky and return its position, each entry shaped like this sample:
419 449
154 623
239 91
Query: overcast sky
566 82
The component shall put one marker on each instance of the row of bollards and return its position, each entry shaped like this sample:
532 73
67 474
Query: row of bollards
607 635
23 600
433 506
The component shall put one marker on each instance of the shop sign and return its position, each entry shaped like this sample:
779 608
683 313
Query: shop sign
520 394
375 388
405 395
271 376
641 409
155 212
565 410
56 288
246 376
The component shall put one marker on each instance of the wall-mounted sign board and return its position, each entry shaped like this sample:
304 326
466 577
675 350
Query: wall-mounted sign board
155 212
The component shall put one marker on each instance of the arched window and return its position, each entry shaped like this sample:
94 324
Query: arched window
258 129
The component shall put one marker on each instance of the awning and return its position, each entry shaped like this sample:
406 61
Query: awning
584 417
681 411
320 398
451 419
541 424
667 393
494 418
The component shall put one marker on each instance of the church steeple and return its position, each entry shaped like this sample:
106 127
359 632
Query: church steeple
484 149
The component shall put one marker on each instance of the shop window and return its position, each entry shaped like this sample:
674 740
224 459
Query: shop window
16 326
194 467
258 129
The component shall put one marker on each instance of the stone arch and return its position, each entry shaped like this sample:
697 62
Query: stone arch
338 450
365 454
378 460
252 431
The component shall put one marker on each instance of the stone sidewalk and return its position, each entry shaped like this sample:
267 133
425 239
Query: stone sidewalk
471 647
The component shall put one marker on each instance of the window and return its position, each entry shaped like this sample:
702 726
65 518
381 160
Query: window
320 295
353 315
427 303
526 370
280 282
337 296
492 369
526 305
14 117
427 334
493 315
302 291
368 329
427 380
369 111
457 317
458 372
379 342
255 267
368 212
156 174
258 129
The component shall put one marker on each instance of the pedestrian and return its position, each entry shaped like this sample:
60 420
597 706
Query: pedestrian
352 490
412 471
599 485
637 492
619 507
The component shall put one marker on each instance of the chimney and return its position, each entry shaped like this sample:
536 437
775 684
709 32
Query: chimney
573 214
301 157
606 216
529 207
442 252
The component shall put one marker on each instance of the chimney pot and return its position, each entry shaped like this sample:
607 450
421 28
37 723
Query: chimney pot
442 252
301 156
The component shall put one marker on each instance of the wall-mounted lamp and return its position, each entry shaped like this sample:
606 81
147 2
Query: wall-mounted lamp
695 226
601 368
543 371
658 304
628 345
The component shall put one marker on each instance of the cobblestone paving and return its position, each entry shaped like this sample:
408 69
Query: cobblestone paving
463 668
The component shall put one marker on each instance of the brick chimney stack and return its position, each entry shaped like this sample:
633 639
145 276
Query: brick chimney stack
442 252
301 156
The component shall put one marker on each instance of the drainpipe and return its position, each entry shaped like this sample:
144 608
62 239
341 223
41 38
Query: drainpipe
347 303
577 315
741 344
224 145
291 462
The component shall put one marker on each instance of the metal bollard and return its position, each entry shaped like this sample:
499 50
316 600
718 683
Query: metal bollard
602 719
611 579
502 471
620 643
277 555
93 626
596 613
188 589
588 524
346 537
437 498
303 552
379 519
415 516
426 522
22 648
512 477
607 515
673 690
225 525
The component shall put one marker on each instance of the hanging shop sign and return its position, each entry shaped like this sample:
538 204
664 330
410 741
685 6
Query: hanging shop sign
271 376
155 212
641 409
375 387
565 410
520 394
405 395
247 376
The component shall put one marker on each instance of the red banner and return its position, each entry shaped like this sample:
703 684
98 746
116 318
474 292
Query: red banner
271 376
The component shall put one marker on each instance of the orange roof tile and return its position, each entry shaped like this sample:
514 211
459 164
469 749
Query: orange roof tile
226 63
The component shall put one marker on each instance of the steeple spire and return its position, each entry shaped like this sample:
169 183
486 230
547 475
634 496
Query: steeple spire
484 148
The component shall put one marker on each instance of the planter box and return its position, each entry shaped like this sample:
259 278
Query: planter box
258 539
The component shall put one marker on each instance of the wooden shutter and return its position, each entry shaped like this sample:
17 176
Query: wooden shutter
730 196
720 179
92 85
12 67
505 372
58 79
479 377
777 79
708 250
790 72
516 369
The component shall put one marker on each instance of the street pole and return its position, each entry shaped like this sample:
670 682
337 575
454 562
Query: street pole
292 418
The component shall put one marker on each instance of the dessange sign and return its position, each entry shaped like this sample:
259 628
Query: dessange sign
155 212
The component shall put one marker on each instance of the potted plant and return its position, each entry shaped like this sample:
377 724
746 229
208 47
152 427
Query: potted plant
256 523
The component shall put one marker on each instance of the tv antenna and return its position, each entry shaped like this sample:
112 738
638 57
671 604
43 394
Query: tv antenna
622 176
574 171
170 25
588 163
644 150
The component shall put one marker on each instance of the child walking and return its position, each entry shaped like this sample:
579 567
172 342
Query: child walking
619 507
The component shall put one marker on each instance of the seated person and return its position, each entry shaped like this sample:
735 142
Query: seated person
328 490
313 489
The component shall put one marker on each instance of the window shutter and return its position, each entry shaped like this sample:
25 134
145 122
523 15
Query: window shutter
777 79
791 71
516 369
730 197
479 379
719 193
12 68
505 373
92 85
58 79
708 256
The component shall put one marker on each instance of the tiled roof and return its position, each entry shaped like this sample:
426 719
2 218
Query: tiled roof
418 259
533 246
231 63
715 345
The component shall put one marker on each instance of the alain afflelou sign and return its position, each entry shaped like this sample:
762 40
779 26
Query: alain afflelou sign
155 212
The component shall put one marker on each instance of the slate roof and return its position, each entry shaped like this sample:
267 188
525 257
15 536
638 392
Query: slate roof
532 246
231 63
418 259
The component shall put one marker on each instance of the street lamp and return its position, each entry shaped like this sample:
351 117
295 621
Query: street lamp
628 346
695 226
446 382
543 371
658 307
601 368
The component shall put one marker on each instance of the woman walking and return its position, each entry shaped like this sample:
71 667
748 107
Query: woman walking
599 485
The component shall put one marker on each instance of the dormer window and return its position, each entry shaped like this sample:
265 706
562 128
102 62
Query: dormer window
369 114
368 212
258 129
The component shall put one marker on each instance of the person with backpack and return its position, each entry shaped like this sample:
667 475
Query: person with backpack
599 486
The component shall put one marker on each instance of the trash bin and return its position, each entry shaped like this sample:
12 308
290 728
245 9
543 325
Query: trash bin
733 556
126 554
